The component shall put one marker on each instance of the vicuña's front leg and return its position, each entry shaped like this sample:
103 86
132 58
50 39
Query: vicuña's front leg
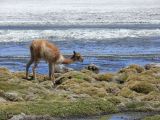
34 70
50 70
53 70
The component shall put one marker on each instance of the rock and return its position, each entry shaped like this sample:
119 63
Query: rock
152 65
92 67
22 116
12 96
2 100
18 117
148 66
62 69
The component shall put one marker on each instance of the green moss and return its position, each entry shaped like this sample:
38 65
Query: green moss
122 77
3 115
90 73
81 93
152 96
142 77
138 68
73 75
114 99
91 91
142 87
132 69
83 87
137 106
156 104
127 93
85 107
70 84
106 77
128 71
5 74
6 86
82 76
156 117
39 77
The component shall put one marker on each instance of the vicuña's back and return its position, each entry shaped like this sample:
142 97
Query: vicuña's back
42 49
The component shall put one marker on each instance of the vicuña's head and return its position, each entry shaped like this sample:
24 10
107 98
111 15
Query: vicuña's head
77 57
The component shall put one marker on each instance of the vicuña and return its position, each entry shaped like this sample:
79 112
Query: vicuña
42 49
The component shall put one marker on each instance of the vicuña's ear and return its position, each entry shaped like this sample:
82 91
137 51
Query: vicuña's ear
74 52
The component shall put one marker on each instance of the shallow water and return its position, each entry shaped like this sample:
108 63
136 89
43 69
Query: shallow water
127 116
117 116
110 56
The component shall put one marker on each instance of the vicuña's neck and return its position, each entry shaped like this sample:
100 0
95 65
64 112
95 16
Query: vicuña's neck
64 60
67 61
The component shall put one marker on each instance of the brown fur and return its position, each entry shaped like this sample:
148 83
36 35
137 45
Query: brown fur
42 49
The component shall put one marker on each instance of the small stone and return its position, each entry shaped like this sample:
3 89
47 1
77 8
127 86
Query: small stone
2 100
92 67
62 69
12 96
152 65
18 117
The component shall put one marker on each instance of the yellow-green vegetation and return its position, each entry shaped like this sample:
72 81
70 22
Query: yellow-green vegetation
79 93
152 96
156 117
59 108
132 69
124 73
106 77
74 74
127 93
142 87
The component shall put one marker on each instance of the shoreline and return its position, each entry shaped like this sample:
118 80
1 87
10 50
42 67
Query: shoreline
120 115
81 93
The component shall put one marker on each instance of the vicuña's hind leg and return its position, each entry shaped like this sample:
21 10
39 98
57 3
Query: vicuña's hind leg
27 67
51 72
34 70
